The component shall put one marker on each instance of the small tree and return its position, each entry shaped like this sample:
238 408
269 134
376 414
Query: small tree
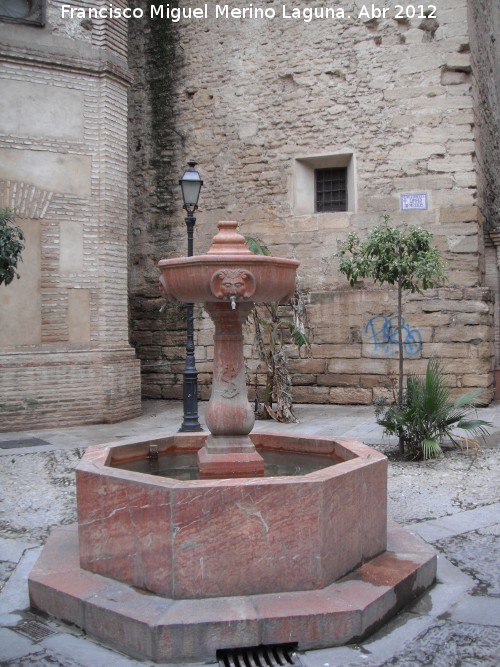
11 246
401 257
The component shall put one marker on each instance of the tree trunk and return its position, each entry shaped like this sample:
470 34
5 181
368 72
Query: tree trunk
400 346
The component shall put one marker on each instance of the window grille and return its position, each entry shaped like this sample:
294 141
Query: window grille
331 189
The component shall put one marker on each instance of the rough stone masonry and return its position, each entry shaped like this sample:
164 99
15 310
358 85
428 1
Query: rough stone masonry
262 103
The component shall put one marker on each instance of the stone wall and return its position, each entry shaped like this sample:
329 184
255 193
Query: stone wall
484 22
260 102
64 351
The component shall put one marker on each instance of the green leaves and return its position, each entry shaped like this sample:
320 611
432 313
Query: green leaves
256 246
427 415
398 256
11 246
392 254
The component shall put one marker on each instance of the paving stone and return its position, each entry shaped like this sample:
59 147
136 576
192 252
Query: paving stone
481 610
459 523
343 656
449 644
455 497
14 646
41 659
476 553
12 549
85 652
14 596
6 569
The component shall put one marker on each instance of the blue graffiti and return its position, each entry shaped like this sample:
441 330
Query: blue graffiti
383 333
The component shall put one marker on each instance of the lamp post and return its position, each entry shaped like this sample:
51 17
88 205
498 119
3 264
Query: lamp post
190 185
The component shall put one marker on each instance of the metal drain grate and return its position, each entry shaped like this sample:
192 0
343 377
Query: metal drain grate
34 630
23 442
274 655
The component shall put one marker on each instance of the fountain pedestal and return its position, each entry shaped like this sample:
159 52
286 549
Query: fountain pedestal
229 451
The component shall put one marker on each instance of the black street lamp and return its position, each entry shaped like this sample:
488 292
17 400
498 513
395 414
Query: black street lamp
190 185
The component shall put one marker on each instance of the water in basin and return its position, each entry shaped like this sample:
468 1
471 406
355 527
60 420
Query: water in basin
184 465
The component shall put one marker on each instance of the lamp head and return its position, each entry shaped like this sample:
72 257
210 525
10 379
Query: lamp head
190 185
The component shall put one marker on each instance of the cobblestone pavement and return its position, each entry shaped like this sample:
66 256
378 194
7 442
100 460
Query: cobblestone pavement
452 502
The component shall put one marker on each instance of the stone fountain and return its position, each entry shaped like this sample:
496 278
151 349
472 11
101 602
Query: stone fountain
173 569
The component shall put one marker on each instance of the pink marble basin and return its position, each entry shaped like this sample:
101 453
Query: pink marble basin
228 271
227 537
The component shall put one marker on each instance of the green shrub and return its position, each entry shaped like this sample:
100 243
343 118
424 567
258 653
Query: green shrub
11 246
427 416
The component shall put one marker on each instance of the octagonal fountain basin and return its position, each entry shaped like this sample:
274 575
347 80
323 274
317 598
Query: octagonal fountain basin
225 537
173 570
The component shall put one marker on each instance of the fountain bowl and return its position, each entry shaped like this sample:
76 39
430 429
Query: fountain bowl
228 269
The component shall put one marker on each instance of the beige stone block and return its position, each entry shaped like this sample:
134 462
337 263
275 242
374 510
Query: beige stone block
326 351
466 179
418 64
453 78
329 221
484 294
463 333
463 244
463 276
455 197
53 171
456 229
482 351
310 394
458 62
464 147
463 117
330 335
301 379
416 151
446 350
34 110
351 396
436 319
423 182
414 36
471 319
339 380
455 164
306 365
475 380
444 103
464 366
353 366
458 214
410 92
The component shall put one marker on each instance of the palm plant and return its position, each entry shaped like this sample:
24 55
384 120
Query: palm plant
427 416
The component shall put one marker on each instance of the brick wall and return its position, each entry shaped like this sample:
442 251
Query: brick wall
64 351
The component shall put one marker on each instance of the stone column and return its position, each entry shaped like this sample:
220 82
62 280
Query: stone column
228 450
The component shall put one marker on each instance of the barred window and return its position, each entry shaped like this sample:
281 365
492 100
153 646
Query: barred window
331 189
29 12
